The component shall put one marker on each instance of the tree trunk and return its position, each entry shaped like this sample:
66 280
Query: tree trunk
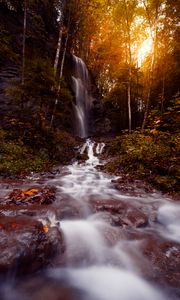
60 77
147 103
56 61
129 105
149 90
163 93
24 40
58 51
62 62
129 56
153 28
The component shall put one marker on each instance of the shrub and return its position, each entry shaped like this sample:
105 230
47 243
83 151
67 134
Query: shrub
149 155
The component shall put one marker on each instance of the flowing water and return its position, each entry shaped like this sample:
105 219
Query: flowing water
83 99
101 261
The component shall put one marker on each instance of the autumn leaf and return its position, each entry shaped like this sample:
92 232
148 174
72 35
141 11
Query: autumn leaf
30 192
45 228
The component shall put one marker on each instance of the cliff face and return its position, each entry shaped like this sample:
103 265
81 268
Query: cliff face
27 143
39 44
10 49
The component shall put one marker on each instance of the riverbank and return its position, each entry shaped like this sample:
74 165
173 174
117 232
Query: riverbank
149 156
34 150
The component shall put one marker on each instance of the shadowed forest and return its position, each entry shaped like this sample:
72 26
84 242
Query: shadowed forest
89 149
131 50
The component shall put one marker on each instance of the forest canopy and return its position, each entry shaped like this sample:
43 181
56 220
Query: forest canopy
132 51
131 47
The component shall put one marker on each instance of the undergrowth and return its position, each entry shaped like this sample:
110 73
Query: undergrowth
151 155
37 153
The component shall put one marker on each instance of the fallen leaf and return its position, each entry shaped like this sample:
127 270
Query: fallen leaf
30 192
45 228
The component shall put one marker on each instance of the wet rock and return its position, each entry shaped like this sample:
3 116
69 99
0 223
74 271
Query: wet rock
135 217
120 213
68 208
47 288
31 196
162 257
165 259
102 126
82 157
26 244
132 187
37 211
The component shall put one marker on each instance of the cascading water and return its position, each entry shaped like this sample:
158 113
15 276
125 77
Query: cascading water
83 98
103 261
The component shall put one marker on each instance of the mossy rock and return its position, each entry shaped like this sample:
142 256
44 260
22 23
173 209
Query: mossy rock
174 170
82 157
167 183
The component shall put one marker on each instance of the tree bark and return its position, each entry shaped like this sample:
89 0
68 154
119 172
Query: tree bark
60 77
129 105
58 51
129 69
62 62
56 61
153 28
24 41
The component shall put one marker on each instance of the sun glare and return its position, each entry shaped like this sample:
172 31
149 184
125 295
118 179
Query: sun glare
144 50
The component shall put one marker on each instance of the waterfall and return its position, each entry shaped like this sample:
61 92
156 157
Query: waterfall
81 107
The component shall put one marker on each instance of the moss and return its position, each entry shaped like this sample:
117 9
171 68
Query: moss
16 157
6 49
149 155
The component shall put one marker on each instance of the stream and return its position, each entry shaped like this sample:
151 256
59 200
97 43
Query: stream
118 246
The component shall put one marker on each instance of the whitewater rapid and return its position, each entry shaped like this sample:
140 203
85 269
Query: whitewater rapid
103 270
100 261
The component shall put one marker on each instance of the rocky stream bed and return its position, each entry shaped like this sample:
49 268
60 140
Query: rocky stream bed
77 233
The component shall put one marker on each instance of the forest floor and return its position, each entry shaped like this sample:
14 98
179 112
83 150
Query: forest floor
148 158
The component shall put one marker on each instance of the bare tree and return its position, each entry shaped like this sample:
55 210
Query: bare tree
128 29
153 22
24 41
58 49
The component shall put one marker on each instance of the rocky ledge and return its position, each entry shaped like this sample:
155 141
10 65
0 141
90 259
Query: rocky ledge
28 239
120 213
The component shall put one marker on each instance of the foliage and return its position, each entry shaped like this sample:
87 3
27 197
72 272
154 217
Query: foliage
115 103
151 155
6 51
110 46
64 146
16 158
63 114
34 152
118 32
37 89
166 118
108 35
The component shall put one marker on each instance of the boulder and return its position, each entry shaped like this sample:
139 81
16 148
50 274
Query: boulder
68 208
34 195
120 213
41 287
164 256
34 210
26 244
128 185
